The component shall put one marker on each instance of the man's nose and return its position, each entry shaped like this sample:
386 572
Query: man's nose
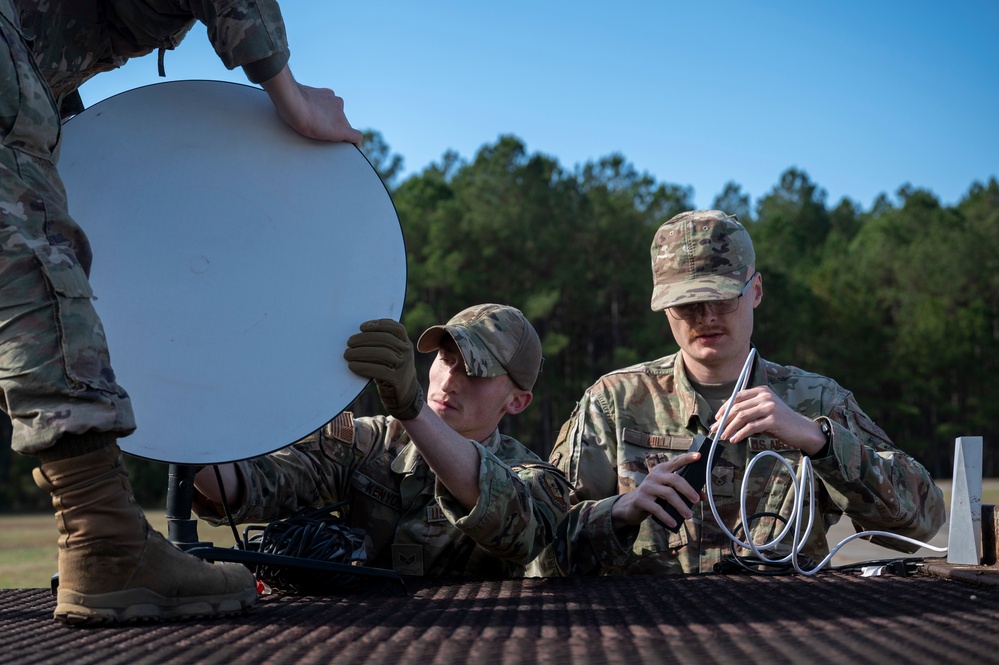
704 312
452 375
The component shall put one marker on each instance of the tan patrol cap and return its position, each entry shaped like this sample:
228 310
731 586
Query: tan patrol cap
698 256
493 340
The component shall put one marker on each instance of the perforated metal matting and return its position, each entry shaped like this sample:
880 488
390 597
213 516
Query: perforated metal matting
835 617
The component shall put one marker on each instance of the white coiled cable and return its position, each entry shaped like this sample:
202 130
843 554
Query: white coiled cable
797 513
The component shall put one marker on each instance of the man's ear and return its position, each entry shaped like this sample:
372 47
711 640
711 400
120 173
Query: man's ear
518 401
758 290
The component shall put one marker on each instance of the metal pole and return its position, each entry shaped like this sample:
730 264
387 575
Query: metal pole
182 531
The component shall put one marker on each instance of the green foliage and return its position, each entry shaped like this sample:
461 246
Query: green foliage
733 201
378 153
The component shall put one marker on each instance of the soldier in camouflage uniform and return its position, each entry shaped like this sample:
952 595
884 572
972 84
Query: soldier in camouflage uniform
56 381
628 436
439 491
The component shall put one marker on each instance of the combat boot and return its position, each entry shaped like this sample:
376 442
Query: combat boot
114 567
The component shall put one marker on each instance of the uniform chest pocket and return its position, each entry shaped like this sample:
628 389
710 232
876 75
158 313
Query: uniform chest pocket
640 451
653 449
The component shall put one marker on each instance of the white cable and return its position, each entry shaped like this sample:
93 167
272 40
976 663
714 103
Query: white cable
795 518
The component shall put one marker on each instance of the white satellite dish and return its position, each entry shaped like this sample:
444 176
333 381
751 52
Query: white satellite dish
232 260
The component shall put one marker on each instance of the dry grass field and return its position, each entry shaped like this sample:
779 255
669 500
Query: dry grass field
28 546
28 551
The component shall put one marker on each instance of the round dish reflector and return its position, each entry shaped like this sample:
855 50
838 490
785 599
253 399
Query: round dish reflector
232 260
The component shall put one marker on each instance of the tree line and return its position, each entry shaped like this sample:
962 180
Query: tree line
898 303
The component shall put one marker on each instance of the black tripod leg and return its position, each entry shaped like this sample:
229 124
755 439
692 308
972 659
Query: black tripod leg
182 531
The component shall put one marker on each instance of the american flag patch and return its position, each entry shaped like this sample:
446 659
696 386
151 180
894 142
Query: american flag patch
341 428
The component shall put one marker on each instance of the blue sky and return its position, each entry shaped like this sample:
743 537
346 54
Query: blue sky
864 96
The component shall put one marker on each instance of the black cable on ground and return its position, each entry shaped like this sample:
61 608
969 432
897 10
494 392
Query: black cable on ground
313 533
317 534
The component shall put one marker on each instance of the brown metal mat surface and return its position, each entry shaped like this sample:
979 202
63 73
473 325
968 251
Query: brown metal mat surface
834 617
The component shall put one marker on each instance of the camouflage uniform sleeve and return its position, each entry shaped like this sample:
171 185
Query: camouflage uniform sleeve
246 33
586 542
520 505
312 472
874 483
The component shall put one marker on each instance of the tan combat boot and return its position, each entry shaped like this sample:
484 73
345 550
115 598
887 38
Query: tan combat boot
114 567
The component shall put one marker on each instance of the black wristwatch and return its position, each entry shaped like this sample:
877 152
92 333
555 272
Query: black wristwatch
826 428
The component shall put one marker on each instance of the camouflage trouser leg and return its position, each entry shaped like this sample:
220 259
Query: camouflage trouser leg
55 373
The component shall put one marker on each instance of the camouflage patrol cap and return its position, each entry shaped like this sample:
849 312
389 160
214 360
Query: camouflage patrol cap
698 256
494 340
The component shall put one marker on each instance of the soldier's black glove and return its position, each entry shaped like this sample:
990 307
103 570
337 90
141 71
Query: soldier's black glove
382 351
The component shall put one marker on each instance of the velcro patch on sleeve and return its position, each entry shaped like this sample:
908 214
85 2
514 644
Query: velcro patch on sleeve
341 428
